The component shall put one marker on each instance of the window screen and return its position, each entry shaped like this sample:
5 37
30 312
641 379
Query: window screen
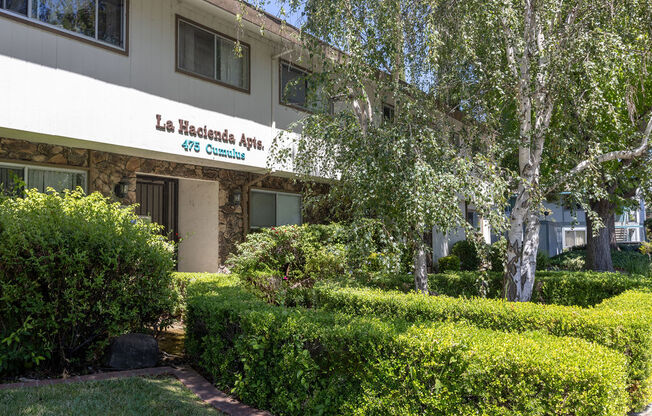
17 6
288 209
269 209
263 209
102 20
8 178
574 238
42 179
196 50
294 88
212 56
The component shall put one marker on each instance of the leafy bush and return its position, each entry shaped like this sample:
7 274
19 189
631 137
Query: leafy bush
585 288
543 260
498 255
75 271
277 262
573 264
646 248
627 259
183 280
467 253
551 287
293 361
451 263
625 325
633 262
465 284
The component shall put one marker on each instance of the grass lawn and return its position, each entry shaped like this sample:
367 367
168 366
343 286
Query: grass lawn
129 396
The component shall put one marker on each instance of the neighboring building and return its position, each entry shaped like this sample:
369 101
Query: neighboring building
145 99
561 229
564 228
443 242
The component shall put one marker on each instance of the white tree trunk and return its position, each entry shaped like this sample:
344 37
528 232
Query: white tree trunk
523 244
420 268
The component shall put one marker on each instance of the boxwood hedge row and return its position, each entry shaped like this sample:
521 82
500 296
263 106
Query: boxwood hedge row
294 361
623 323
552 287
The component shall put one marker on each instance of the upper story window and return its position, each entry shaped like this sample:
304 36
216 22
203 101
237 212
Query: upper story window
388 113
103 21
211 55
40 178
297 91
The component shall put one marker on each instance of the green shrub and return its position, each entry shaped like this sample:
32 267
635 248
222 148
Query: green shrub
627 330
646 248
628 259
278 261
497 255
464 284
293 361
585 288
543 260
451 263
75 271
196 281
551 287
633 262
387 281
467 253
573 264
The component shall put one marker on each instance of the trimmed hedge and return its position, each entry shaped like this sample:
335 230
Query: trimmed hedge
451 262
623 324
551 287
293 361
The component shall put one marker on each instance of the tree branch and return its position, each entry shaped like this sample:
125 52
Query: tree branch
509 37
606 157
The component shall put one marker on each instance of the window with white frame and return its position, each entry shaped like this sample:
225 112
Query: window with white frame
100 20
41 178
212 55
271 209
573 237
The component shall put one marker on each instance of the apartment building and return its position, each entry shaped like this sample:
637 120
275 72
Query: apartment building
170 104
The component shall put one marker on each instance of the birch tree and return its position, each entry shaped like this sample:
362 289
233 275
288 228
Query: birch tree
508 66
410 168
524 58
606 109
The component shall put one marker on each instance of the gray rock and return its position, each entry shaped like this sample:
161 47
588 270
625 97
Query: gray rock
133 351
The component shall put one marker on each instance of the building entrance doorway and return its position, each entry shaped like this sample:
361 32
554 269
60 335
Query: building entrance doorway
158 199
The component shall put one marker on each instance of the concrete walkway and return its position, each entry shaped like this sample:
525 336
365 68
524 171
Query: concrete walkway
186 375
646 412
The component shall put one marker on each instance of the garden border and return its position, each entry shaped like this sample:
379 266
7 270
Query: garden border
186 375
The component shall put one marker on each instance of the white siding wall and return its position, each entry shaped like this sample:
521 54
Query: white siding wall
60 89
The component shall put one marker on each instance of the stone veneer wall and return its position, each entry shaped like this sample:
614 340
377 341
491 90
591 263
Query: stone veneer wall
105 170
